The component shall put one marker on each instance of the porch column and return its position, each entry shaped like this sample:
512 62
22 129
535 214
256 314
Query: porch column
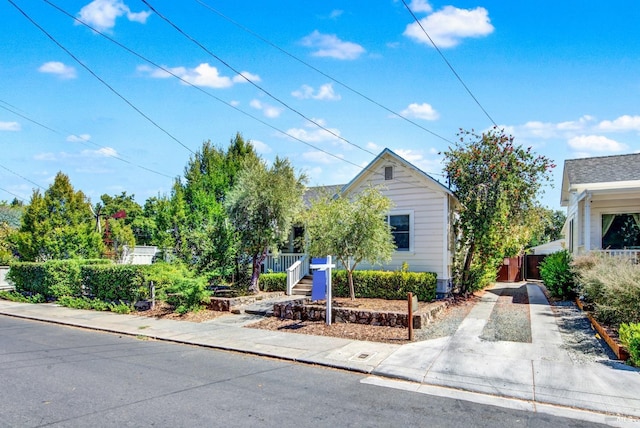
587 222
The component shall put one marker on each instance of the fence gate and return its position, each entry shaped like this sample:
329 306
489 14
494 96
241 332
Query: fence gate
532 265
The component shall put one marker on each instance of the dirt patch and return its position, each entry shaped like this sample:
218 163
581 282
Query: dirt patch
448 321
165 311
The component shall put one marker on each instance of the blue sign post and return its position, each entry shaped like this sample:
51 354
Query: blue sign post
322 283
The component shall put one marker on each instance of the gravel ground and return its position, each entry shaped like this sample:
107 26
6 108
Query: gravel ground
448 322
510 320
578 337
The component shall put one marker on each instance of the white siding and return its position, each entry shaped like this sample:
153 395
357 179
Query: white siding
413 193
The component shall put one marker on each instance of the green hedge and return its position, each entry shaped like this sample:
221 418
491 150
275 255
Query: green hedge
54 278
273 281
386 285
114 282
630 337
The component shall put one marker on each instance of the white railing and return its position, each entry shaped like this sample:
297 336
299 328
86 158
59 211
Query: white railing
296 272
281 262
633 255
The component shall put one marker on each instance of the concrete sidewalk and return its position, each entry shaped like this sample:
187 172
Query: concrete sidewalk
534 374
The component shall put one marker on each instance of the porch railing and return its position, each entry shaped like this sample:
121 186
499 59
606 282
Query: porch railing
633 255
296 272
281 262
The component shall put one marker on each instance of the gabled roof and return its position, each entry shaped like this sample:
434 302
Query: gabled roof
603 169
312 193
386 152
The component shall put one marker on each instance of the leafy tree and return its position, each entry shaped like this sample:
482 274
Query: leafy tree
496 182
548 225
354 230
262 206
201 232
141 226
58 225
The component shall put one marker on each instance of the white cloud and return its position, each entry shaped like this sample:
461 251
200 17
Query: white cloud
420 111
102 14
431 165
247 76
595 143
82 138
623 123
9 126
313 134
268 110
373 146
336 13
449 26
59 69
105 152
420 6
202 75
324 93
45 156
260 146
329 45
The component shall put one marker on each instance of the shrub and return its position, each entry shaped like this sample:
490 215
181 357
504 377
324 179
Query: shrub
557 274
630 337
114 282
14 296
188 295
273 281
386 285
612 284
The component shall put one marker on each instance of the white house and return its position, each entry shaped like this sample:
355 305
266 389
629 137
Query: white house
602 196
421 217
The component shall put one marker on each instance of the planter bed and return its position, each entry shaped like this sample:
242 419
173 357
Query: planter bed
227 304
304 310
611 340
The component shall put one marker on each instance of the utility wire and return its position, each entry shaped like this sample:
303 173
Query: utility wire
24 178
360 167
83 140
13 194
111 88
186 82
448 63
317 70
260 88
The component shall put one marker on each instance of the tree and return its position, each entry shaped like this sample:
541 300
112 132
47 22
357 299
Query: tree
140 225
58 225
10 215
496 182
354 230
201 232
262 206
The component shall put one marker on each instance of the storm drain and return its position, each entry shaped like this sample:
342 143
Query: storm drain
363 356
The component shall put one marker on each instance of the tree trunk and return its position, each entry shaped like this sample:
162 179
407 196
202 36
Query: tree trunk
255 275
352 291
466 271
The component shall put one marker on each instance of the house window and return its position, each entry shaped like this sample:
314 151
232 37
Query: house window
388 173
621 231
401 231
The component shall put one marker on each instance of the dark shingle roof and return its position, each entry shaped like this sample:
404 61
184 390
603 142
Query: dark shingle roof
312 193
603 169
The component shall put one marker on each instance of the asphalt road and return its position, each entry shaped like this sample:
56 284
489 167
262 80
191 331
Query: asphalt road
52 375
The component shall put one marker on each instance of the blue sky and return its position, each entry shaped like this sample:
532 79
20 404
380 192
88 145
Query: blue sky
297 79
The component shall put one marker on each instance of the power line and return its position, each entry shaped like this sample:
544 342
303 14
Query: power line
164 69
448 63
186 82
13 194
111 88
250 81
24 178
82 139
344 85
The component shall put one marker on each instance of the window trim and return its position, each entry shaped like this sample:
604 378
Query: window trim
388 177
412 229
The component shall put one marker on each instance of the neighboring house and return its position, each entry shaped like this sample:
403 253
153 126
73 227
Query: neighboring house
549 247
602 196
421 217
